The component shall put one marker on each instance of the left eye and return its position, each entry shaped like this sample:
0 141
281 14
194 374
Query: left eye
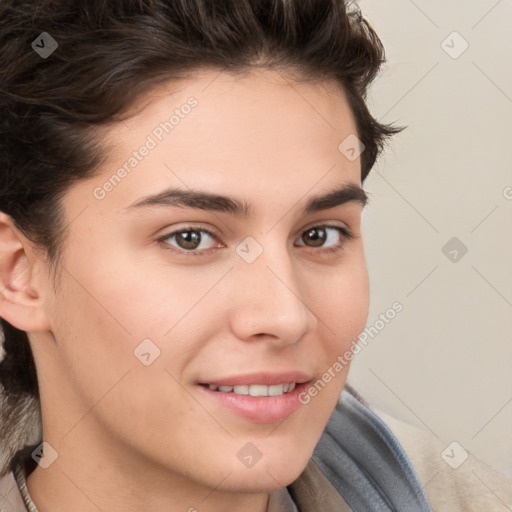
320 235
195 239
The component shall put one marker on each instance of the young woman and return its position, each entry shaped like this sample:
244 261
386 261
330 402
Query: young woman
182 272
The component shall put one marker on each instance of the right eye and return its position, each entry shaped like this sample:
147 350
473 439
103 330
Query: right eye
189 240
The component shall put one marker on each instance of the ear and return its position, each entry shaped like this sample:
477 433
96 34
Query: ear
21 286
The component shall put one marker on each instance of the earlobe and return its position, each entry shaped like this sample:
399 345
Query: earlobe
20 300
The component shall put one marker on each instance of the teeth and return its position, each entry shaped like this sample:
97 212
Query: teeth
276 390
258 390
255 389
241 390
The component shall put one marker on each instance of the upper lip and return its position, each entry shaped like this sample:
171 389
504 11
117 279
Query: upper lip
265 378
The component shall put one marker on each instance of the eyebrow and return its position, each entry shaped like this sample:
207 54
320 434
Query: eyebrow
234 206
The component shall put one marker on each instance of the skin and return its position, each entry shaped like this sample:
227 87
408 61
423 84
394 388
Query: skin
133 437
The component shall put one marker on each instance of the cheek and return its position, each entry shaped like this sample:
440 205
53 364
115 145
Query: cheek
343 304
117 309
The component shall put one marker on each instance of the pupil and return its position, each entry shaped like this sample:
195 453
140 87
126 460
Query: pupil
188 239
314 236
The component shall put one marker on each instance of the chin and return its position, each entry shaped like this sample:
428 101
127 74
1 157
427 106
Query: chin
279 470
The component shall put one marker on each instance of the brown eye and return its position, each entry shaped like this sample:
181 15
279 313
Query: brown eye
189 240
330 238
316 236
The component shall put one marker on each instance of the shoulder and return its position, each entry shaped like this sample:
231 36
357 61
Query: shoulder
453 479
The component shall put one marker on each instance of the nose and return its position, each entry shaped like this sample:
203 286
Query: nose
269 300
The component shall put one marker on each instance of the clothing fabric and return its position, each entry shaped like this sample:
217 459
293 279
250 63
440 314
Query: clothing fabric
364 460
470 486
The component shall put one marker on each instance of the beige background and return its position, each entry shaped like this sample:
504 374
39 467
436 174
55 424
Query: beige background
445 362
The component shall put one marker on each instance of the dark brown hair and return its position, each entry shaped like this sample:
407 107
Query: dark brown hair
109 53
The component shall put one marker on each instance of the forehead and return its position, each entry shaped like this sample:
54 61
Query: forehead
222 132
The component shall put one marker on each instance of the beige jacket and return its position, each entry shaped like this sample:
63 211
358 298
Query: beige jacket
471 487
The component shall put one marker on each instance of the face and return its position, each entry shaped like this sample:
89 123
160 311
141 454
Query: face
187 331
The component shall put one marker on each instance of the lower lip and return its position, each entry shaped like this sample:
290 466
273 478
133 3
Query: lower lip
259 409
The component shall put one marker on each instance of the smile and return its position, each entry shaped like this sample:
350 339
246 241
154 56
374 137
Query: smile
255 389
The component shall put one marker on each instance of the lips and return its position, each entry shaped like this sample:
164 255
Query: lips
259 397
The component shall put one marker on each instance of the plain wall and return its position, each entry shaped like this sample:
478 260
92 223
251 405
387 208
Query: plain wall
445 361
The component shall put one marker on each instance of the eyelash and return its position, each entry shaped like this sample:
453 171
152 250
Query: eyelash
346 235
